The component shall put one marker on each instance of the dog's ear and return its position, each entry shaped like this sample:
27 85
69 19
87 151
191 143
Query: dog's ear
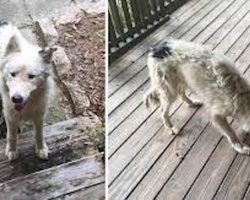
46 53
13 46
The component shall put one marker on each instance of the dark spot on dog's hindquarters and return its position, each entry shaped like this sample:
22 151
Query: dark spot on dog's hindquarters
3 22
162 51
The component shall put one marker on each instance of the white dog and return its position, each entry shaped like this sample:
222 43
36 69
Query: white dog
176 65
26 86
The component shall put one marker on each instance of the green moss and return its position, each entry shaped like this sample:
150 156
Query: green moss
97 137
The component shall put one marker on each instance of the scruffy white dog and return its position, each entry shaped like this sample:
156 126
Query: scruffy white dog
177 65
26 86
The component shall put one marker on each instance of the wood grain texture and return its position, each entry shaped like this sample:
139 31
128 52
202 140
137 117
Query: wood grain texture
66 141
55 181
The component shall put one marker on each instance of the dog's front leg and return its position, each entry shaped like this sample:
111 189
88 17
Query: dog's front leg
166 120
41 147
221 123
11 151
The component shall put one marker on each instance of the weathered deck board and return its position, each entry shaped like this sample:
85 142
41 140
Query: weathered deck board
214 172
95 192
143 160
66 142
56 181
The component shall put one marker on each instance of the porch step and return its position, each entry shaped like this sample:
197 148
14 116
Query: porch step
68 179
68 173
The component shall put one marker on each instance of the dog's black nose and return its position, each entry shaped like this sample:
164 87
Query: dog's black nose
17 99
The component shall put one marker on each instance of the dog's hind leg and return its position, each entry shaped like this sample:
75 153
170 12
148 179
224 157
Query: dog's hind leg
165 106
221 123
11 151
184 98
151 98
41 147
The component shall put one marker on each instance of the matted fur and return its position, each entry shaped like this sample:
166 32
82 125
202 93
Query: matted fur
25 73
211 76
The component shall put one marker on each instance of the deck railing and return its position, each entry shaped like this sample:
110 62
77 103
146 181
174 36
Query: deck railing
132 20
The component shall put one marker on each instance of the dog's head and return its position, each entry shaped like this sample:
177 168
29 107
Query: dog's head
24 69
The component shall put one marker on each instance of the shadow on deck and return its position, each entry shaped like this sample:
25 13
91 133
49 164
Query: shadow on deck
146 163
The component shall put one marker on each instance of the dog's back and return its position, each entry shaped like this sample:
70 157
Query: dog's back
177 64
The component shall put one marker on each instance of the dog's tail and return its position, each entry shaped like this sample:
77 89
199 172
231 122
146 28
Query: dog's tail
152 98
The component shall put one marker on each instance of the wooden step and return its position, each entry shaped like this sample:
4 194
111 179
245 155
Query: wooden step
67 141
78 177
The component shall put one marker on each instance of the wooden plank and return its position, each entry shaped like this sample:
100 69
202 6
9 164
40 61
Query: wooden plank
215 19
55 181
129 150
235 33
148 157
129 58
128 107
213 173
129 127
96 192
178 184
243 61
241 49
197 18
126 76
225 20
120 96
115 140
229 26
247 194
236 181
66 141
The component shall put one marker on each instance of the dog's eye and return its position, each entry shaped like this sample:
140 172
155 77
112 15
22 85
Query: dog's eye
31 76
13 74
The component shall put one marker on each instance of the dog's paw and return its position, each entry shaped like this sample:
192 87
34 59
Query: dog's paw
172 131
175 130
246 149
43 153
12 155
242 149
196 104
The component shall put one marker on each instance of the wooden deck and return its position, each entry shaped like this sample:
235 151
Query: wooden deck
145 162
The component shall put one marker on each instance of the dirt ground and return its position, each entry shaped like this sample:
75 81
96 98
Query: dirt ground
83 40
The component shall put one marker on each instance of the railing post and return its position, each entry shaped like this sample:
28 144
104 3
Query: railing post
112 35
116 17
